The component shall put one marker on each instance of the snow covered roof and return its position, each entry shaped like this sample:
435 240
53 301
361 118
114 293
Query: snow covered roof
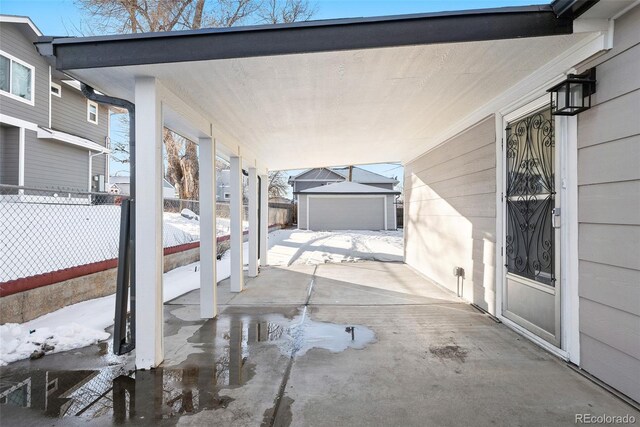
347 187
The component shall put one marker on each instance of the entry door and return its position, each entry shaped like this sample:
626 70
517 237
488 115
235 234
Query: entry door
532 286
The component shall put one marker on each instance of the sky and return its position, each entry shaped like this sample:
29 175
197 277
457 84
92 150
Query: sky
62 17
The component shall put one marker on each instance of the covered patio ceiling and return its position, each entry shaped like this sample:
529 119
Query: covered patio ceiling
383 97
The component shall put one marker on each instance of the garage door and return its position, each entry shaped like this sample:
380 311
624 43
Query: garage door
346 213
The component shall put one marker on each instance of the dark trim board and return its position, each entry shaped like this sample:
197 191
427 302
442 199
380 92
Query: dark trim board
306 37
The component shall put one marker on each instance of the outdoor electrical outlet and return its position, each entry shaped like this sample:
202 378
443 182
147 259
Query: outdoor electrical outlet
458 272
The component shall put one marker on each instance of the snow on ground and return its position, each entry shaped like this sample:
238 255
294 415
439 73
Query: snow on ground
83 324
287 247
39 238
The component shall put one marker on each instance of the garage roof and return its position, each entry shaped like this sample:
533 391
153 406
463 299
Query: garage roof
347 187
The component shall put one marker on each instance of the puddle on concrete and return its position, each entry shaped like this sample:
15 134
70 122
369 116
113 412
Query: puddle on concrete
219 358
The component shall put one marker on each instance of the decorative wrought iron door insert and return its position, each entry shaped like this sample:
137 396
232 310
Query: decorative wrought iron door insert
530 197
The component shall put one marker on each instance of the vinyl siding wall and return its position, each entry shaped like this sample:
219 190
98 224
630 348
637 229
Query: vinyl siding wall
69 114
609 214
450 213
9 152
52 164
14 43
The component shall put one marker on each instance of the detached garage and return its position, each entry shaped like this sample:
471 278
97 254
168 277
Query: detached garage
347 206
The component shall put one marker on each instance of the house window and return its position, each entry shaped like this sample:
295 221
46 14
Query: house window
16 78
56 90
227 196
92 112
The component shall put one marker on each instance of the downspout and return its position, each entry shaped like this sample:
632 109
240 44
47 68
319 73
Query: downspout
90 94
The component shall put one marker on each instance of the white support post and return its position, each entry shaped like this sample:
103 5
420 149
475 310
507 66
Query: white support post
148 246
253 222
236 232
208 244
264 219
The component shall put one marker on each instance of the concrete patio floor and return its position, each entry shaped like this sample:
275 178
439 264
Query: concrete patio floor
281 353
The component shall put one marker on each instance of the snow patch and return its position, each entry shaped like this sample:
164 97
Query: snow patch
84 323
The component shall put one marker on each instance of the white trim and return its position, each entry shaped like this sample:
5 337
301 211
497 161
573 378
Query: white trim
33 80
18 122
536 339
21 151
21 20
500 178
567 141
57 86
90 104
44 133
50 83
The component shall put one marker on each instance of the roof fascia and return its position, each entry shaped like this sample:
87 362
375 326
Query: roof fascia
309 37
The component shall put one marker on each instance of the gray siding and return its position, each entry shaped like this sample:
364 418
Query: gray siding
69 114
305 185
14 43
385 186
450 203
9 147
302 212
609 215
52 164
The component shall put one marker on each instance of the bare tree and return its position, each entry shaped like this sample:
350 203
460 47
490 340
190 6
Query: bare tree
278 184
136 16
182 165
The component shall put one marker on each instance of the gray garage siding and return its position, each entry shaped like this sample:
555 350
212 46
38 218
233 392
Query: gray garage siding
52 164
364 216
609 215
346 213
450 212
14 43
9 147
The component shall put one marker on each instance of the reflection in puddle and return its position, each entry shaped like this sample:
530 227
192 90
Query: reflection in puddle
220 362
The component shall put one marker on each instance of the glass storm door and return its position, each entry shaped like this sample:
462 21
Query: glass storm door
531 292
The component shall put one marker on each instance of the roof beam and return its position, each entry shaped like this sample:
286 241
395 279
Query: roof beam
307 37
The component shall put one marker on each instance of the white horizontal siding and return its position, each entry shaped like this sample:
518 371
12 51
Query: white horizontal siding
450 212
609 215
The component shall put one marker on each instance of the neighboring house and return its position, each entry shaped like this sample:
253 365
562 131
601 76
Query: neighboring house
121 185
223 184
51 136
328 201
325 176
347 206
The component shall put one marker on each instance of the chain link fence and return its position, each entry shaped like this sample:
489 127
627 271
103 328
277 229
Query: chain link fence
46 230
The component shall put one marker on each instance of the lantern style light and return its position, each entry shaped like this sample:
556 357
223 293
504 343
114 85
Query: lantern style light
573 95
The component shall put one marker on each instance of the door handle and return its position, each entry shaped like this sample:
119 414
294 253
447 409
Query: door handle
555 217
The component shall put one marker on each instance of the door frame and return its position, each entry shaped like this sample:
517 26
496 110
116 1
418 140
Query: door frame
566 143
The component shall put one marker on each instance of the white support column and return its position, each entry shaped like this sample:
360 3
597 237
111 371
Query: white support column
264 219
208 244
148 247
236 235
253 222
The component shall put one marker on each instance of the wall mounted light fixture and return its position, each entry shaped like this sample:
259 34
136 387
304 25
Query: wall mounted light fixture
573 95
